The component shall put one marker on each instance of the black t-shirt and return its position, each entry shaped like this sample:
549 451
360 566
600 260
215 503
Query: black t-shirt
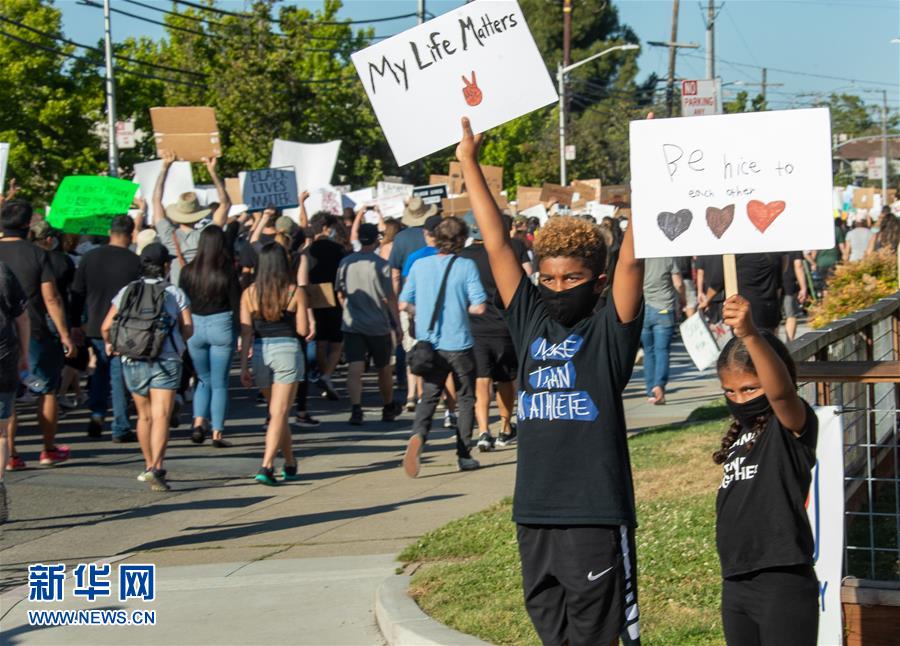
713 276
490 323
102 272
761 519
324 257
573 466
759 279
227 299
12 303
30 266
789 280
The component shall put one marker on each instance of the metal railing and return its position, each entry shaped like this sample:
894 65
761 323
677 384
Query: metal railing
853 364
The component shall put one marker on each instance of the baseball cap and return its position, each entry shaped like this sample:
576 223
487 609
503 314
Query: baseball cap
155 253
368 234
432 222
285 225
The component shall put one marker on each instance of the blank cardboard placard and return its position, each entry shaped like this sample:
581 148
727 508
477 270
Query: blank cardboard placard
479 60
863 198
527 196
269 187
190 132
555 193
439 179
727 184
313 163
4 160
588 189
493 175
233 188
618 194
178 181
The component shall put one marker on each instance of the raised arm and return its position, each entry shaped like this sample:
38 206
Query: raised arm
628 285
221 215
504 264
304 219
357 220
159 211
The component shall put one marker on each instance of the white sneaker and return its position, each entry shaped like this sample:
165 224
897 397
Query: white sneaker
144 476
449 420
467 464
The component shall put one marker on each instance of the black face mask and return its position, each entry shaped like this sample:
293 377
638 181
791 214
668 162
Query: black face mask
749 411
15 233
570 305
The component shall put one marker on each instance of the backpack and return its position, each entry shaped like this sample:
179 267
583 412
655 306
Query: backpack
141 325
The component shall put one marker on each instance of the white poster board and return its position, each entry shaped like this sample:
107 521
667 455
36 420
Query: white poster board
178 181
699 341
392 189
327 199
538 211
825 508
735 183
479 61
313 163
4 159
600 211
392 207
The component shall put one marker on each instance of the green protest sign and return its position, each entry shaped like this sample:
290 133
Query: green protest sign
85 204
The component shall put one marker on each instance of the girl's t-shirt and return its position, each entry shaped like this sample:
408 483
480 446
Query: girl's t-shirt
761 519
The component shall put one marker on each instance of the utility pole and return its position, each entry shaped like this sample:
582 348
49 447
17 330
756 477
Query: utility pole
567 32
670 86
885 164
421 11
110 94
710 40
764 85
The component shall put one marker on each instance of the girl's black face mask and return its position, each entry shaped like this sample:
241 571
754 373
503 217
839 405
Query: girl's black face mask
747 412
570 305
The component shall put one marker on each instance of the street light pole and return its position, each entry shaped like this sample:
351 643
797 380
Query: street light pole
561 72
110 94
885 164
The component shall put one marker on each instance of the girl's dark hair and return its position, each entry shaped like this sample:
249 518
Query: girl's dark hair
450 235
735 356
210 273
273 281
391 229
152 269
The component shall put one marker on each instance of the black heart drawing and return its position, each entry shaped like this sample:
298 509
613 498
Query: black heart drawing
674 224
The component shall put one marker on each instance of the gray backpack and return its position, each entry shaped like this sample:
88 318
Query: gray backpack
142 325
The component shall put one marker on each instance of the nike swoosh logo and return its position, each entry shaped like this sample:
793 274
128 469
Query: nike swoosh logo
594 577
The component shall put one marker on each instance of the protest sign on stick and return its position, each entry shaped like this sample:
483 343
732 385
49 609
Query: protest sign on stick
179 180
527 196
86 204
493 176
313 163
738 183
432 194
4 159
269 187
555 193
479 60
190 132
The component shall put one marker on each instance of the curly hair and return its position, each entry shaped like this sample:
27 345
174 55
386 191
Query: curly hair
571 237
450 235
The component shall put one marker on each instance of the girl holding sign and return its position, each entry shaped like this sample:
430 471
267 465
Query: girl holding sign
765 544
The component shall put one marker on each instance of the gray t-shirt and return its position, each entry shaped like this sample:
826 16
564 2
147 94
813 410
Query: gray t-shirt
659 291
189 241
858 239
365 280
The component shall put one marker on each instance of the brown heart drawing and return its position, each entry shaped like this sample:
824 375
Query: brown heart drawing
719 219
763 215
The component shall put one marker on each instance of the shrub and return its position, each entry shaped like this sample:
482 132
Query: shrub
855 286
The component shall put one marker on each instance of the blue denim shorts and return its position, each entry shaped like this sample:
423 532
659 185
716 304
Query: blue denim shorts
7 405
277 360
46 358
142 376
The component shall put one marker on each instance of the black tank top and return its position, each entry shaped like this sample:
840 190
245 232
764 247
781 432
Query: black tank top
286 326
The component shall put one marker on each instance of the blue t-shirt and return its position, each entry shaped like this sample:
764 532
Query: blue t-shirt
405 243
451 332
424 252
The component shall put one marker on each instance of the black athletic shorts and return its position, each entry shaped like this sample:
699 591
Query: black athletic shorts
328 324
495 357
357 346
580 583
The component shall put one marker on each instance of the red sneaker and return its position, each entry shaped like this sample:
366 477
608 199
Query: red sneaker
59 454
15 463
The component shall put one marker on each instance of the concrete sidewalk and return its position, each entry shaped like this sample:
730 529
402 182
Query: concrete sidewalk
243 563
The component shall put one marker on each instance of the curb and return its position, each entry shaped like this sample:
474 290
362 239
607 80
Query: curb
402 622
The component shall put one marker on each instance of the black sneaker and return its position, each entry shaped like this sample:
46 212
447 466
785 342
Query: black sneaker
324 384
304 419
505 439
124 438
485 443
95 427
390 412
356 415
198 436
4 503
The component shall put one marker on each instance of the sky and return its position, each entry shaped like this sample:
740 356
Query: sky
799 41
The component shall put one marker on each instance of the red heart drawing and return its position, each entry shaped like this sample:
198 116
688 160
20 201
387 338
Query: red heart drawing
763 215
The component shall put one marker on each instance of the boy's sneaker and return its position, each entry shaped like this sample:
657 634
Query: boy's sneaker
450 420
56 455
289 472
467 464
505 439
157 480
356 415
145 475
304 419
324 384
413 457
266 476
485 443
410 405
390 412
95 426
15 463
4 503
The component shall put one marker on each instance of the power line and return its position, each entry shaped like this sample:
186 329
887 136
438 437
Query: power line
89 3
248 16
173 13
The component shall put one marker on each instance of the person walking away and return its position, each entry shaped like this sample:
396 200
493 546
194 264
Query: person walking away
148 325
15 329
858 239
888 236
495 355
823 262
759 280
370 313
794 290
325 254
663 291
211 285
574 498
710 287
101 274
49 342
273 319
445 325
770 592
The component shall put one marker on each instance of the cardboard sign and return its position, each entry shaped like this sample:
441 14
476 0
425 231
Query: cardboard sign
555 193
178 181
439 179
863 198
4 159
432 194
191 133
460 204
588 189
233 188
493 175
479 61
86 204
736 183
312 163
269 187
618 194
527 196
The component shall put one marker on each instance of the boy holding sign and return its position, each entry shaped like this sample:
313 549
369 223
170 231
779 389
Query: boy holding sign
574 499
